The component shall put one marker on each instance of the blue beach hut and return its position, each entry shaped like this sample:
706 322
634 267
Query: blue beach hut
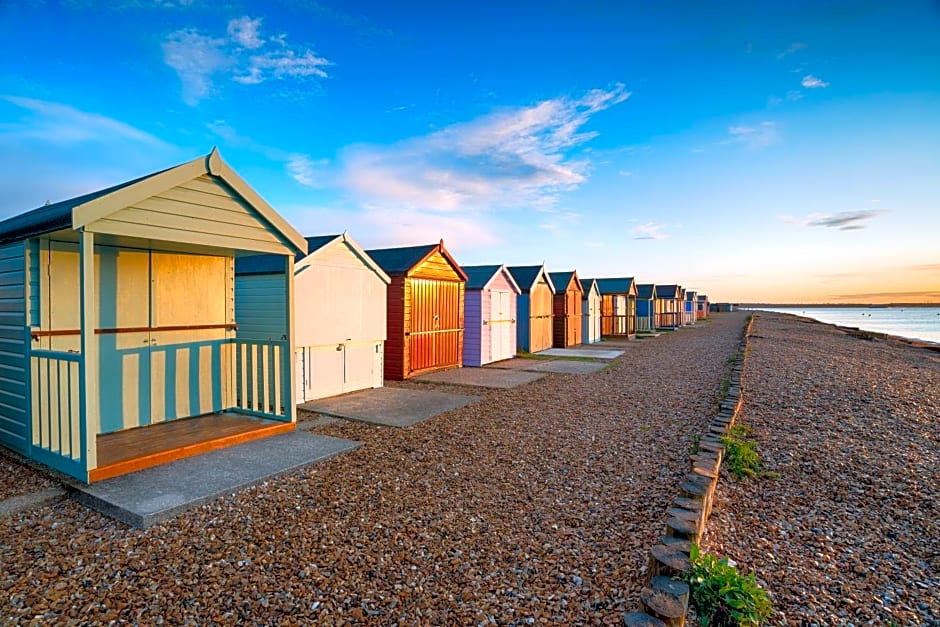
646 307
117 323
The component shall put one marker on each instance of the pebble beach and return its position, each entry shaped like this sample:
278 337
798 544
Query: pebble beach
845 527
538 504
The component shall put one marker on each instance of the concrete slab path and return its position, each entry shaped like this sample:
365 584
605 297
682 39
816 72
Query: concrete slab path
481 377
516 363
153 495
30 500
564 366
586 351
391 407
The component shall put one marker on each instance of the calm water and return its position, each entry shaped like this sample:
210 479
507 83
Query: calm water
922 323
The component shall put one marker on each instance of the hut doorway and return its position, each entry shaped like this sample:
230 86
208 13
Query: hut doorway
159 347
436 327
502 345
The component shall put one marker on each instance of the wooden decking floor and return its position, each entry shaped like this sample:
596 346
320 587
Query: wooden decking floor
123 452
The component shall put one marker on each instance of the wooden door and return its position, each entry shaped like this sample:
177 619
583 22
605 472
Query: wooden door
434 341
540 318
500 323
358 360
573 318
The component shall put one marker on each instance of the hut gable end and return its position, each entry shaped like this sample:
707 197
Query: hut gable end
437 266
201 211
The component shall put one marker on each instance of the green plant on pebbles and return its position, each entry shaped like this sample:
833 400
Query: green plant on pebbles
741 454
721 596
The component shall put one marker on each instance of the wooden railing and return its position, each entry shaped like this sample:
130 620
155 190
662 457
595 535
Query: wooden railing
59 432
260 384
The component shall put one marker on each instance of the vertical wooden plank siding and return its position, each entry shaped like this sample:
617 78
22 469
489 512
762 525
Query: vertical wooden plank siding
434 339
540 317
475 331
396 323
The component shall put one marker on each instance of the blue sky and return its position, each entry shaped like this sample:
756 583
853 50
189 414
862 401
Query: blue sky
775 151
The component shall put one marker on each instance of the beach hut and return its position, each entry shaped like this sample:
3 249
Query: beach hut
590 312
566 309
688 307
425 309
117 323
667 307
701 306
645 307
618 307
534 308
489 315
339 312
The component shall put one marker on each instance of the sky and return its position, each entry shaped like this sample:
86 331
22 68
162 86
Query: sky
781 152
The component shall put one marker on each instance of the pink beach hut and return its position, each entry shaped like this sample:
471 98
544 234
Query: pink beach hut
489 315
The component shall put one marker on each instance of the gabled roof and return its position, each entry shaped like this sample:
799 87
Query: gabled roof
527 276
565 279
400 261
620 285
646 291
690 294
274 264
667 291
703 297
82 210
479 277
587 285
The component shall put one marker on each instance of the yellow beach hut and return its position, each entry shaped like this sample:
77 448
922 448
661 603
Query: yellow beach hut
119 344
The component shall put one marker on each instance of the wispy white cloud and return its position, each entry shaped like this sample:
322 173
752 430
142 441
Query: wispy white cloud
195 57
650 230
515 157
301 167
796 46
306 171
59 123
752 136
245 32
811 82
242 55
283 64
625 173
843 220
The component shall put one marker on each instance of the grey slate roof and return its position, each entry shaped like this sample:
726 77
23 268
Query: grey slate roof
479 276
615 286
400 260
561 279
646 291
56 216
667 291
586 286
274 264
524 276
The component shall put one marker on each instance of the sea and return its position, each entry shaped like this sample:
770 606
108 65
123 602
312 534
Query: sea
918 323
